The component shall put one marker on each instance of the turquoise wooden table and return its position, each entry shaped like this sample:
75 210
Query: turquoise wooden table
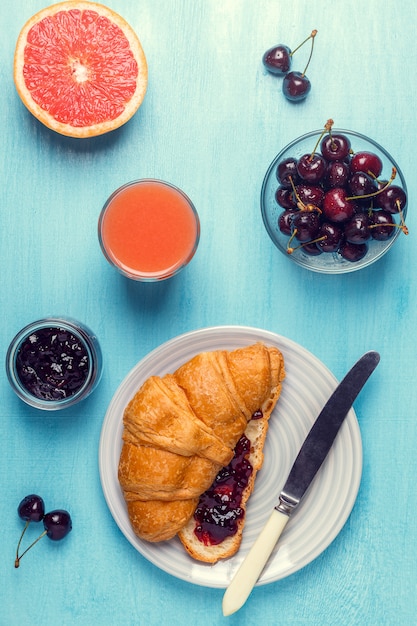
211 123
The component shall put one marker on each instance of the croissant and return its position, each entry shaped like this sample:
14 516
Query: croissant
180 429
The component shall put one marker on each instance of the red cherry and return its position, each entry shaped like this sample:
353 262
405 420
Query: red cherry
366 162
336 206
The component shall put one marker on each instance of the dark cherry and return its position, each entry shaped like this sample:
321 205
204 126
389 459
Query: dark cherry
337 174
310 194
391 199
219 508
277 60
335 147
357 228
336 207
310 248
287 172
361 184
57 524
285 198
353 252
332 234
381 225
31 508
311 168
296 86
285 221
366 162
305 225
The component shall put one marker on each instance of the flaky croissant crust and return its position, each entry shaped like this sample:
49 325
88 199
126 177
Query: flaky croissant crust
180 429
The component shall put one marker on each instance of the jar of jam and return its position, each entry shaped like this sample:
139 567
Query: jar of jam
54 363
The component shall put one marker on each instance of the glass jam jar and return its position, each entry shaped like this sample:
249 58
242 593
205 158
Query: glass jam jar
54 363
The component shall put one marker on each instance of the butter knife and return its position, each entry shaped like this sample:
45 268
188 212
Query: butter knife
309 460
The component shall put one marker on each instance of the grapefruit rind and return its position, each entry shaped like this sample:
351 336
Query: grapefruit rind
43 115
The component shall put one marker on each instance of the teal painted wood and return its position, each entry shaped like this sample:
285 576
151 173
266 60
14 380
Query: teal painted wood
211 123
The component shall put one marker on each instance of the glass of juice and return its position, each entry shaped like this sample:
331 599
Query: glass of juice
149 230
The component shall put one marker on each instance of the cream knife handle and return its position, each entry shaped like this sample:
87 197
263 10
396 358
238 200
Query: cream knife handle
250 569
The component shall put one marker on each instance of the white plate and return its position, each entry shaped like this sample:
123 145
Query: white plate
326 506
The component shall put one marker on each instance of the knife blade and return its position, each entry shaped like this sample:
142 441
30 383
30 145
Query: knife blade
306 465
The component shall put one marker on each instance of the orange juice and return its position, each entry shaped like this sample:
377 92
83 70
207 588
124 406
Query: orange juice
149 230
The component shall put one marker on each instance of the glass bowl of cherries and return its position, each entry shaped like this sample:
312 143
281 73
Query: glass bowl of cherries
334 201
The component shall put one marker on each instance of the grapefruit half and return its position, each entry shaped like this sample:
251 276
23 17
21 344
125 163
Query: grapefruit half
80 68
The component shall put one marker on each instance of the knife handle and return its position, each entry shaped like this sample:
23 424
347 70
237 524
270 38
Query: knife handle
251 567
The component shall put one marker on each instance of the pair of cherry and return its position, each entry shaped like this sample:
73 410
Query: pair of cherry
57 524
277 60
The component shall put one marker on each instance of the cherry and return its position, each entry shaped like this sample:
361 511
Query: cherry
335 147
329 237
366 162
285 198
311 248
353 252
286 172
381 226
311 167
361 184
285 221
296 86
305 225
31 508
392 199
337 174
310 194
57 524
357 228
336 206
277 60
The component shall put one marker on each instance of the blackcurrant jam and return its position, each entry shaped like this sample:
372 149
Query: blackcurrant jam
219 509
54 363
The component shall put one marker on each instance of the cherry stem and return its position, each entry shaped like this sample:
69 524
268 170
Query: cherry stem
20 541
312 35
403 224
375 193
290 250
327 129
18 558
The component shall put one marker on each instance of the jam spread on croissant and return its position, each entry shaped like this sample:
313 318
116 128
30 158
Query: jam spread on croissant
219 510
